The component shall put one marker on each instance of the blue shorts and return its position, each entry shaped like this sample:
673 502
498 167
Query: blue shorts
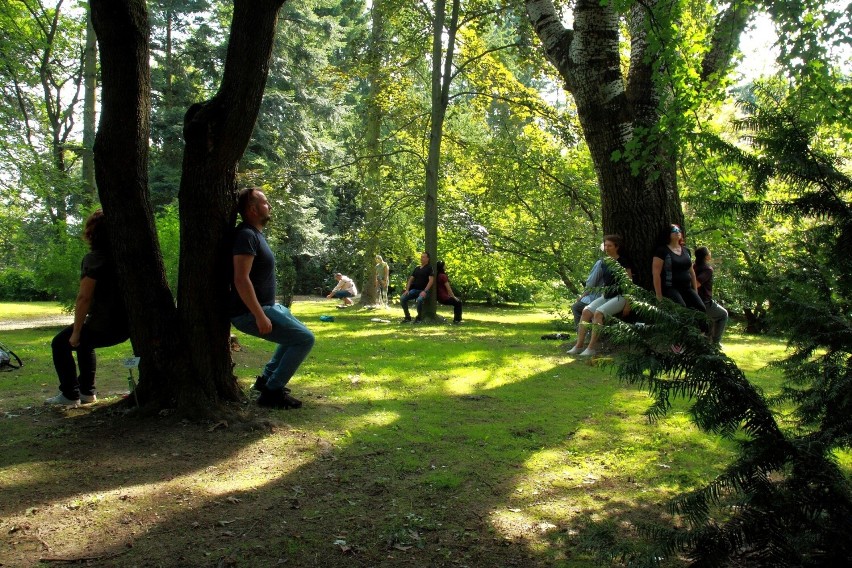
343 294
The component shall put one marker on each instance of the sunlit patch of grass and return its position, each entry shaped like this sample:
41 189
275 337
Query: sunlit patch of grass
16 311
451 442
752 353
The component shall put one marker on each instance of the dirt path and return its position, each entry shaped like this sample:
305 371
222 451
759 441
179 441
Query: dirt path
41 321
68 319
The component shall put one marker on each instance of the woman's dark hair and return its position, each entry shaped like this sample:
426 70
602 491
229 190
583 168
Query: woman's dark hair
95 231
617 240
440 267
701 254
666 234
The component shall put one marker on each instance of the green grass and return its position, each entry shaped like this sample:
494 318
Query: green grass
479 444
17 311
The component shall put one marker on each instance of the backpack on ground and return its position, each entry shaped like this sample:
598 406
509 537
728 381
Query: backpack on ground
8 360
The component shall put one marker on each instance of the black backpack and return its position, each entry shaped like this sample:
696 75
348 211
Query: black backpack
8 360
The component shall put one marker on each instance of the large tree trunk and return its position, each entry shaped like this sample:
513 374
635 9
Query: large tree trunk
615 111
121 169
90 81
185 354
442 66
217 133
372 192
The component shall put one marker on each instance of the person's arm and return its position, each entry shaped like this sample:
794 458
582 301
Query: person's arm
387 272
703 278
242 282
694 279
408 285
656 270
429 285
81 308
449 289
595 278
335 289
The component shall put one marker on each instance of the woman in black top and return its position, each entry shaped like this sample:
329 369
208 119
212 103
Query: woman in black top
100 319
672 270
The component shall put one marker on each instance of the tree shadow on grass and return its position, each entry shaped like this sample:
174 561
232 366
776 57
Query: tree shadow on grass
501 470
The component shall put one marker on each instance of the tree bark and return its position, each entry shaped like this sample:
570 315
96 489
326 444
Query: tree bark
372 193
442 66
121 170
90 84
216 134
615 110
185 353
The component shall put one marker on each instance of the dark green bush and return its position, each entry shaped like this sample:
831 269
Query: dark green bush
17 285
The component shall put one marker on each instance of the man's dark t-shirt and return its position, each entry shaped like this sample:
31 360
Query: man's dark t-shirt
248 240
107 311
421 276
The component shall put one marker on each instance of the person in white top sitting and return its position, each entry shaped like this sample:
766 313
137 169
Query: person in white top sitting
345 290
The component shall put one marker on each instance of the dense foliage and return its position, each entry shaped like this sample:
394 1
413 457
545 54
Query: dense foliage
784 501
501 242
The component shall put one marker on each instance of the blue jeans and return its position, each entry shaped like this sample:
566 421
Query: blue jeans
294 341
412 295
718 320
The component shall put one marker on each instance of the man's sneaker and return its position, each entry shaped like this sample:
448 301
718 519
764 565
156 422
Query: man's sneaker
62 400
406 320
278 399
260 384
456 322
588 353
575 350
88 398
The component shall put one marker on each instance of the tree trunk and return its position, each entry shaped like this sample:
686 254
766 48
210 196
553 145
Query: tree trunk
372 193
216 134
442 66
121 169
615 112
185 353
90 83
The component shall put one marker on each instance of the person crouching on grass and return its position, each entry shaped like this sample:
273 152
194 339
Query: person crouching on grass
345 290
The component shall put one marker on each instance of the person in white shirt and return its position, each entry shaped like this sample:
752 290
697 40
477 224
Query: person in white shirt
345 290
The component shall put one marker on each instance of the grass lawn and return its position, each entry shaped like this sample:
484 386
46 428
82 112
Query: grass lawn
472 445
18 311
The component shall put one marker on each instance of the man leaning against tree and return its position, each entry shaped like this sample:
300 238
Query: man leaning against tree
253 307
417 288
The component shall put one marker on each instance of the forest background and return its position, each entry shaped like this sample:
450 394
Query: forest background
519 216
